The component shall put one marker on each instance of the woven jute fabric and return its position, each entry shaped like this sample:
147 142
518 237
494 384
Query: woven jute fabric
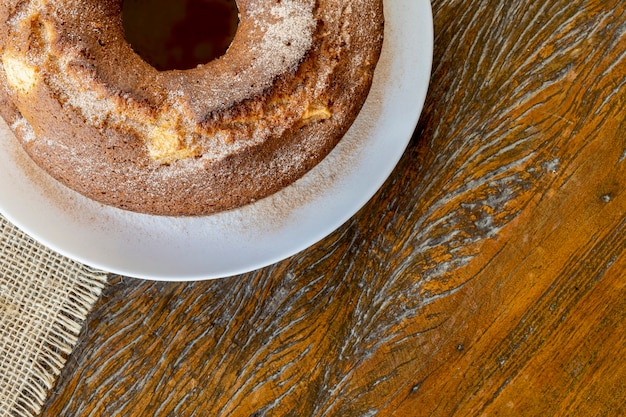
44 299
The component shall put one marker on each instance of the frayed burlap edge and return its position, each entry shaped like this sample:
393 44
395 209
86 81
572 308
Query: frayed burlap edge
44 300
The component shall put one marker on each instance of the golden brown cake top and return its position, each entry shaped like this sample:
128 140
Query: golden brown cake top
108 124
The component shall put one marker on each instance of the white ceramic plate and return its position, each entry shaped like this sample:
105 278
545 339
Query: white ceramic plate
179 249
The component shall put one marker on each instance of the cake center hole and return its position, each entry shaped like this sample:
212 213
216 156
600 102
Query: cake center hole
179 34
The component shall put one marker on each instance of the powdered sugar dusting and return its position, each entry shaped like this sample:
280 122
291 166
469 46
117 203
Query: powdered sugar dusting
24 128
286 41
284 35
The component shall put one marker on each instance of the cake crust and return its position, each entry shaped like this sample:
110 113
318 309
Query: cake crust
90 112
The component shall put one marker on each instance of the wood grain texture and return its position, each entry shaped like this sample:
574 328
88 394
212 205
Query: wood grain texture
487 277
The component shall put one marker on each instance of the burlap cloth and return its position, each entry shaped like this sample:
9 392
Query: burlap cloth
44 299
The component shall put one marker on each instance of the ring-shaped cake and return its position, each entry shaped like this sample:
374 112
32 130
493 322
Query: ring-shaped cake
101 120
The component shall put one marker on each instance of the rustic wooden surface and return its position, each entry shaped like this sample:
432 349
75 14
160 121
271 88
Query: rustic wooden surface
487 277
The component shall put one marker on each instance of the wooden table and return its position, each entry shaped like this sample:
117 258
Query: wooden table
487 277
